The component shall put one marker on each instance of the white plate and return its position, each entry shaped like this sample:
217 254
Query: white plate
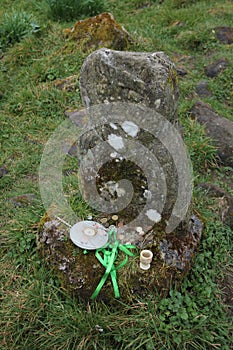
89 235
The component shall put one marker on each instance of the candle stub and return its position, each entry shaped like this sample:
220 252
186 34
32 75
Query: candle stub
145 259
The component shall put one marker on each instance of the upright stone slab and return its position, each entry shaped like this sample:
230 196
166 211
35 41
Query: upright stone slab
134 170
139 92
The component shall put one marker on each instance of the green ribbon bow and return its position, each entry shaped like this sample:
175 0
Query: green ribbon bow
110 252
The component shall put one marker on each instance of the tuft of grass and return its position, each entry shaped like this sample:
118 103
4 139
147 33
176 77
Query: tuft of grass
201 148
15 26
66 10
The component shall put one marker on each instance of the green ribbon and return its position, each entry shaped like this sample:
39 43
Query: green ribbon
110 252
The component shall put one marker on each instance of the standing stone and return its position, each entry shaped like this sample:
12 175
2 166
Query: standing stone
141 90
147 80
134 170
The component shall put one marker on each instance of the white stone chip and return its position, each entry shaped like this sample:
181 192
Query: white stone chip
153 215
113 154
157 103
130 128
147 194
115 141
113 126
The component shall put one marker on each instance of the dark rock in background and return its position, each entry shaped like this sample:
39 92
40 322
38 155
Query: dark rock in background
202 89
23 200
223 200
218 128
3 171
215 68
181 71
224 34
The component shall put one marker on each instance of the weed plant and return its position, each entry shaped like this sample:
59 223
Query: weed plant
15 26
36 313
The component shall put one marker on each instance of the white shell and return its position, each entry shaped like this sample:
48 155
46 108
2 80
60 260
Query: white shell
89 235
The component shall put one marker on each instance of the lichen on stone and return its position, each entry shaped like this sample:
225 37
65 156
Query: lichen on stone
99 31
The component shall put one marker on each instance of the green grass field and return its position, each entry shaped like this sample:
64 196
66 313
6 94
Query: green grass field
36 313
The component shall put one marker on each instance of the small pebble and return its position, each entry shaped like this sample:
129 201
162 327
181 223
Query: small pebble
139 229
120 224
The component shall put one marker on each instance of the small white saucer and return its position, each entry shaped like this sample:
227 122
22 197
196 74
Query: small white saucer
89 235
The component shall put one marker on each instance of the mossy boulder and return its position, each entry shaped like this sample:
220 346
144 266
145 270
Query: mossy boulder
99 31
80 273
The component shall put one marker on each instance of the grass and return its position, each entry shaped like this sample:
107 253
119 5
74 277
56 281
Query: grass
35 312
15 26
73 9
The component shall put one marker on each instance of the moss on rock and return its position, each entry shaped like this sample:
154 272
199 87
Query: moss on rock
99 31
79 273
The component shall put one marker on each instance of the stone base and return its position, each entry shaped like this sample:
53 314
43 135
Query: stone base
80 273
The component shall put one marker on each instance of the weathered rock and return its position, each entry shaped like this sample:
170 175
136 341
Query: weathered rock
71 151
215 68
218 128
202 89
80 273
146 78
23 200
223 202
3 171
99 31
127 141
181 71
134 170
78 117
224 34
